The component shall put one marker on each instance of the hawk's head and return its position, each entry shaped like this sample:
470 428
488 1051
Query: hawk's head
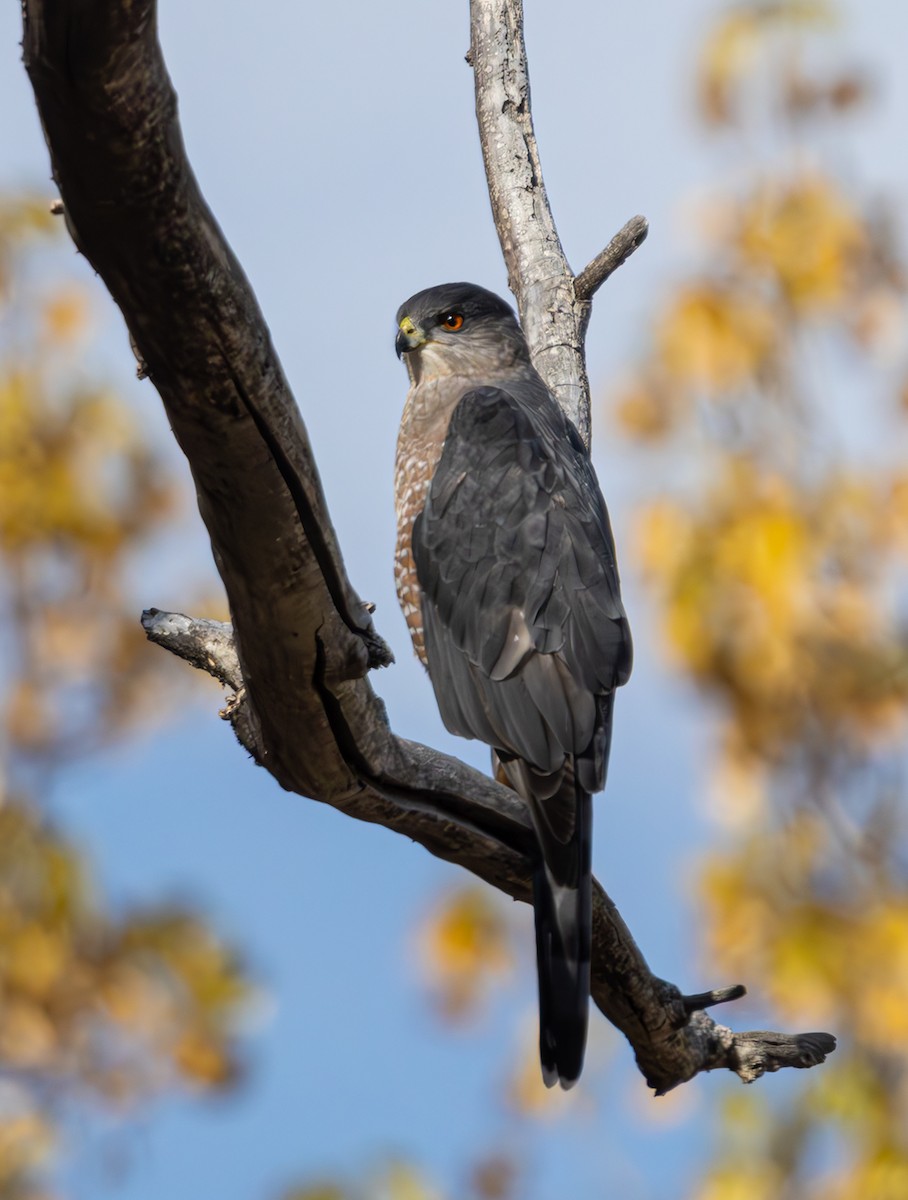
458 329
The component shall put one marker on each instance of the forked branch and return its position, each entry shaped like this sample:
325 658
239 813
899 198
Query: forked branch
554 306
302 642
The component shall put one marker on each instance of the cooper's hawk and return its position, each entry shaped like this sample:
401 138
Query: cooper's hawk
505 570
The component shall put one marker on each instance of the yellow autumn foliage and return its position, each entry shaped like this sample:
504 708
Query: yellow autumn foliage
733 47
733 1183
26 1142
24 220
56 476
109 1009
203 1060
37 955
726 58
318 1191
771 596
778 568
842 961
464 950
645 407
882 1176
81 492
65 317
72 982
401 1181
807 238
715 338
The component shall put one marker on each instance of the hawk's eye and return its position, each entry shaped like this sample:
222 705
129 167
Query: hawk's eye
451 320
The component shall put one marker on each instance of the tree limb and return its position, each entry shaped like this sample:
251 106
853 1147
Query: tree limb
554 308
302 641
631 235
673 1039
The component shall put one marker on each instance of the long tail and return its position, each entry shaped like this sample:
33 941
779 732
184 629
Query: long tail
562 810
562 901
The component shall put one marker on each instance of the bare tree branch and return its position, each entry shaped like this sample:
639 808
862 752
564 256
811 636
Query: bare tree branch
302 641
628 238
718 996
554 307
672 1037
538 272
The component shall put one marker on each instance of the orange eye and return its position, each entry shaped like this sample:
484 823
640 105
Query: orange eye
451 320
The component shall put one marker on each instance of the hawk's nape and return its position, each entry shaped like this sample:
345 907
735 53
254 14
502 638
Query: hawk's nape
506 573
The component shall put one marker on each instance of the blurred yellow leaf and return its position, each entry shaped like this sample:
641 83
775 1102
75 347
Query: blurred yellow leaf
644 409
807 237
27 1036
714 337
135 995
463 949
664 538
204 1059
726 57
850 1092
401 1181
318 1191
36 957
740 919
882 1175
23 215
740 1181
207 970
28 719
732 47
26 1141
66 316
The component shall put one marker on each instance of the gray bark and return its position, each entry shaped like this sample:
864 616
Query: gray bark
554 307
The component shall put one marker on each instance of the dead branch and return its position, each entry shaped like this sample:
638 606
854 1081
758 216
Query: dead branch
672 1037
554 308
628 238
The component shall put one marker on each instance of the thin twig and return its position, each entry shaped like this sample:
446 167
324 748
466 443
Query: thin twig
702 1000
617 252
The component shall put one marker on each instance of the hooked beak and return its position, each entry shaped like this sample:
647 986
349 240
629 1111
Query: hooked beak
409 337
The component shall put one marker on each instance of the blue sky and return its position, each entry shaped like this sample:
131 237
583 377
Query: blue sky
340 156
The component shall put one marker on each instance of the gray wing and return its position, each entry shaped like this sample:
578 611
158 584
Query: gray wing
526 636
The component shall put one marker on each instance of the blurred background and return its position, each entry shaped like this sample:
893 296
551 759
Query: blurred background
200 994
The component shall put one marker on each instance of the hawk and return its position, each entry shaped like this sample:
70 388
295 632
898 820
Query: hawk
505 571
